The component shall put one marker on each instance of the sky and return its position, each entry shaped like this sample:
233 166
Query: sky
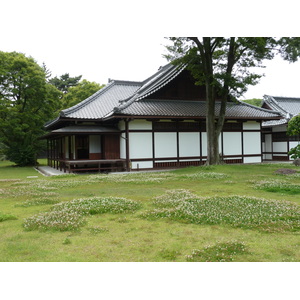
120 40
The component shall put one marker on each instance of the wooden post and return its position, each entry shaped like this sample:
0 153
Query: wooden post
127 145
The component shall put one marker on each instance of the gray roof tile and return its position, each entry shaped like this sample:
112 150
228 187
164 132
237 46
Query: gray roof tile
177 108
129 98
102 102
288 107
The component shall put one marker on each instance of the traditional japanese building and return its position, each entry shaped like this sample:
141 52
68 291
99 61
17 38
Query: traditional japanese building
156 123
276 143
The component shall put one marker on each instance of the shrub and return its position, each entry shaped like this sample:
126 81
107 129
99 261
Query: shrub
295 152
296 162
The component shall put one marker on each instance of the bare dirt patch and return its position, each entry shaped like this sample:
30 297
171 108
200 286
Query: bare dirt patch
285 171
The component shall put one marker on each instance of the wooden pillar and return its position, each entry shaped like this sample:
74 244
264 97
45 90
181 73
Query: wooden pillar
127 145
51 153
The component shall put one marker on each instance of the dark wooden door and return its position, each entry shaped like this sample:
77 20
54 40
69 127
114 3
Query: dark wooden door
111 146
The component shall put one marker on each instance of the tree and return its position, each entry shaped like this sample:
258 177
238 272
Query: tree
81 91
224 65
26 102
72 89
64 82
292 130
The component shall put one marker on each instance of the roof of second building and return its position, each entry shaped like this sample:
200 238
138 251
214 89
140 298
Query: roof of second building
288 107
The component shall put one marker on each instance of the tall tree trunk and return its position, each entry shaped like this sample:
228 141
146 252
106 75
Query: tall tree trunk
211 132
214 123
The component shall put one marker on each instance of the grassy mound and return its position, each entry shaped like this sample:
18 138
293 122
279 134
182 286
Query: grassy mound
236 211
68 216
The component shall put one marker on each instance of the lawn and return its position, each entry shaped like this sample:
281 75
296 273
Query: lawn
240 213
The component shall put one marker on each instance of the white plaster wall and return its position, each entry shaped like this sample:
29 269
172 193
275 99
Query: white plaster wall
189 160
95 143
252 143
140 145
142 165
280 147
170 160
232 143
204 143
251 125
253 159
123 146
165 144
189 144
140 125
268 143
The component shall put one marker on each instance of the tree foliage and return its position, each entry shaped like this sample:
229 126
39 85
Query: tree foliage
294 129
26 102
81 91
224 66
64 82
73 90
294 126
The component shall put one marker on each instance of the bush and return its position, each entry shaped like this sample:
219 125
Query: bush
295 152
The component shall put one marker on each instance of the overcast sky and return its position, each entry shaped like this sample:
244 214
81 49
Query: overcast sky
113 40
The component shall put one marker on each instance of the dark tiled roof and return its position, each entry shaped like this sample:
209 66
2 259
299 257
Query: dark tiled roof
130 98
288 107
102 102
84 129
177 108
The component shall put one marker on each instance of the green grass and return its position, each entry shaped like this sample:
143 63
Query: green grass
221 252
218 213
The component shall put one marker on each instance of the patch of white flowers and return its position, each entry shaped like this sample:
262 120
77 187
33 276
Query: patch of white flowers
237 211
277 186
136 178
98 205
69 215
221 252
204 175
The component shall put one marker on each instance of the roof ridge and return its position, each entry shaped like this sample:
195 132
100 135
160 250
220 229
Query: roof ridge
285 98
164 81
129 82
157 84
259 108
270 99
